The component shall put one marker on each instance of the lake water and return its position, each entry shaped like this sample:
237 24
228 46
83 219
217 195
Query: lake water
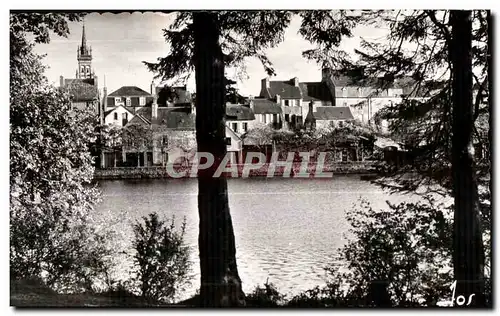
286 230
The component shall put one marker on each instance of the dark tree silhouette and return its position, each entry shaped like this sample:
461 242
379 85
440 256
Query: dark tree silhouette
468 254
443 59
216 238
206 42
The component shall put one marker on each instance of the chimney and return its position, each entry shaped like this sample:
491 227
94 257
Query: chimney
311 107
326 73
278 99
193 108
265 83
152 88
251 103
154 108
105 100
61 81
295 81
105 93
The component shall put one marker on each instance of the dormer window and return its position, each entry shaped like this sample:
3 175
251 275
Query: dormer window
118 100
128 102
142 101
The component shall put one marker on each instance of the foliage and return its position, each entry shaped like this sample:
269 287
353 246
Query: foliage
400 255
245 34
427 52
266 296
137 137
51 195
108 137
414 55
161 258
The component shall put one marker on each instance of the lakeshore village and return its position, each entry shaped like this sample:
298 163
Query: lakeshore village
152 129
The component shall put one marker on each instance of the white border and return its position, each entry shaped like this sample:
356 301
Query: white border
182 4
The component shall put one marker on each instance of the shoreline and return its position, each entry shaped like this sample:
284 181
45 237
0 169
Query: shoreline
365 168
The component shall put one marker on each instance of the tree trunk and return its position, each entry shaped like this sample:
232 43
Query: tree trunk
220 282
468 252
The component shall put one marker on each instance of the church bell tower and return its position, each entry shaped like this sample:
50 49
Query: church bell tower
84 56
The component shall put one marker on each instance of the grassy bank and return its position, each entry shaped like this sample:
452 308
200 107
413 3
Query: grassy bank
31 293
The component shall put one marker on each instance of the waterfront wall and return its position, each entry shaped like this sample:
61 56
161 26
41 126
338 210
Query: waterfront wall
359 167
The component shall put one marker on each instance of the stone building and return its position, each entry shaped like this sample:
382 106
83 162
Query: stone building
83 89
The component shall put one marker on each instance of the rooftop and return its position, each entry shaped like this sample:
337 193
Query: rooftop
81 90
239 112
129 91
333 113
265 106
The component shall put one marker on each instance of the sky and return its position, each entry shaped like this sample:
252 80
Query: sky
120 42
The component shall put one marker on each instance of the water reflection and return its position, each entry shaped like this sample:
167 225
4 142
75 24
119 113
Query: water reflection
286 230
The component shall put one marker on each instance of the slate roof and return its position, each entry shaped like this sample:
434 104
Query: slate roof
286 89
333 113
180 95
265 106
129 91
139 119
239 112
369 86
128 108
315 91
81 90
169 117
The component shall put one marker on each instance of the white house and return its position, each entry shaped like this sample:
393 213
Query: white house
234 146
239 118
118 116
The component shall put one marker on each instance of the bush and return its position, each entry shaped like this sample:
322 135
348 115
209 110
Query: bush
267 296
400 256
161 259
61 247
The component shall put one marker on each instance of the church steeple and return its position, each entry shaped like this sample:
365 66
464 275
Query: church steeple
84 57
84 39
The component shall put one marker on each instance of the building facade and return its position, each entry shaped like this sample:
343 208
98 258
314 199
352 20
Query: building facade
83 89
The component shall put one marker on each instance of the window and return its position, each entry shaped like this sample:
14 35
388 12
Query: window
245 127
286 103
235 127
165 141
115 116
125 116
275 118
264 118
287 117
228 141
142 101
118 100
128 102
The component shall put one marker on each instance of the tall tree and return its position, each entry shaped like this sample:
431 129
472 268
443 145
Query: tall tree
468 255
51 170
216 238
207 42
437 60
